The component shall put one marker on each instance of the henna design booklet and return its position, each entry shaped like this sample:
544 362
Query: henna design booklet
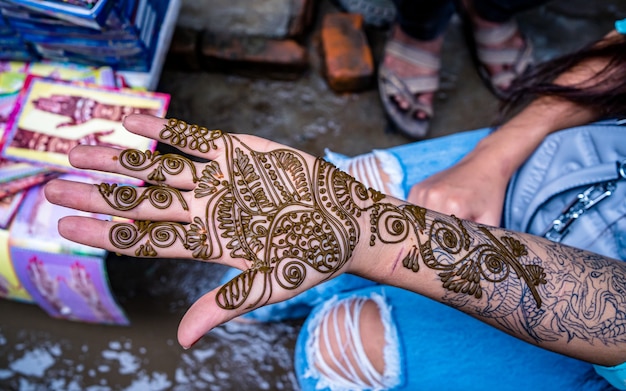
47 118
50 117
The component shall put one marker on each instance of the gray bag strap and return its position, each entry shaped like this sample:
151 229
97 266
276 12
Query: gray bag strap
545 174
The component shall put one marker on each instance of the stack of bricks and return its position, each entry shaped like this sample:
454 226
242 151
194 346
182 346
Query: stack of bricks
282 57
347 60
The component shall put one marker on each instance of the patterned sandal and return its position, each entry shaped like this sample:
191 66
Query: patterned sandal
518 59
390 85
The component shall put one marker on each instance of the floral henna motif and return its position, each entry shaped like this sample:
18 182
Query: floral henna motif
260 205
288 219
467 263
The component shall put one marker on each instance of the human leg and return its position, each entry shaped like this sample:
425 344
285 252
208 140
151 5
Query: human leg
409 73
501 52
424 346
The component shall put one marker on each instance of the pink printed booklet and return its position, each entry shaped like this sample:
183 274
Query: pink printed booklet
41 119
50 117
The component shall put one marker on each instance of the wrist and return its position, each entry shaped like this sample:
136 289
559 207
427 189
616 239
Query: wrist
386 235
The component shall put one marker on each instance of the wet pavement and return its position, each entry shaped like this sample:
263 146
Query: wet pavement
40 353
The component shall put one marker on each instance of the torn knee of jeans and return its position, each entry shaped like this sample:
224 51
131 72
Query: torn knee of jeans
353 345
379 170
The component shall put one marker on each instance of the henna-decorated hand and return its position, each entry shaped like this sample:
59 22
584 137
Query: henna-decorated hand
287 219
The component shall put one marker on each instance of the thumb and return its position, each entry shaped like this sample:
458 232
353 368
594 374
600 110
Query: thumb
203 316
234 298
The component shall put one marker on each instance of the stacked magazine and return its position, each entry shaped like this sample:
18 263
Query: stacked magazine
46 109
122 34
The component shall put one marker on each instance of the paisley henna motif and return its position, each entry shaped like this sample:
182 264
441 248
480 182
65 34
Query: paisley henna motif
261 206
288 220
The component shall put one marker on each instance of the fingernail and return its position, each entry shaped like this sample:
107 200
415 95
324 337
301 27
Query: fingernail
190 346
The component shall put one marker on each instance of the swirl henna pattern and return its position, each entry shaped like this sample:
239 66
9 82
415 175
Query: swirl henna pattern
264 206
268 210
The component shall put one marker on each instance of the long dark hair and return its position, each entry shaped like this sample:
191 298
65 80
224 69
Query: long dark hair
605 92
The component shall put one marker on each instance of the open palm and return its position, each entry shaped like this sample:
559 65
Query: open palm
287 219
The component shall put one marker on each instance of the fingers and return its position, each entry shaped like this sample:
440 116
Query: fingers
141 239
190 138
203 316
166 203
194 139
171 169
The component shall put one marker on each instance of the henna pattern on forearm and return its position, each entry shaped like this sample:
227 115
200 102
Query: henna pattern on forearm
465 263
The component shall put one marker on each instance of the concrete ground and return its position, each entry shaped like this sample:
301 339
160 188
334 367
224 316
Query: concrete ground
302 113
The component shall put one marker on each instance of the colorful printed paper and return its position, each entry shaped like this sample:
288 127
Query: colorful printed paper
51 117
46 109
66 279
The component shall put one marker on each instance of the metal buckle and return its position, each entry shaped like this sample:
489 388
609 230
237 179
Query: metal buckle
583 202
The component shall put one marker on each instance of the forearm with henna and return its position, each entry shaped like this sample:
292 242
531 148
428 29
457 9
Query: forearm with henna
291 221
557 297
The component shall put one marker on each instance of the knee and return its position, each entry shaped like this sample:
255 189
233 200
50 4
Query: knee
350 345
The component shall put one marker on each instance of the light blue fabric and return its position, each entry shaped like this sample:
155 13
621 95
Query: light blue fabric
444 349
620 26
422 159
419 160
615 375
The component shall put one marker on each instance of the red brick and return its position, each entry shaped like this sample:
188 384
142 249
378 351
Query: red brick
255 54
348 60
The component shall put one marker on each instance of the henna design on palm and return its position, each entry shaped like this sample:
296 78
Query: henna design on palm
288 218
263 206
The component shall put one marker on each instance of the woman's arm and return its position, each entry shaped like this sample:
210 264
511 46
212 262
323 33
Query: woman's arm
474 188
291 221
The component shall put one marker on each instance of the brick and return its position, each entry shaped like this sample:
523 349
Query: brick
183 50
280 58
348 61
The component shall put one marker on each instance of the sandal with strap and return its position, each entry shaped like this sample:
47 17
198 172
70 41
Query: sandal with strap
516 60
408 88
